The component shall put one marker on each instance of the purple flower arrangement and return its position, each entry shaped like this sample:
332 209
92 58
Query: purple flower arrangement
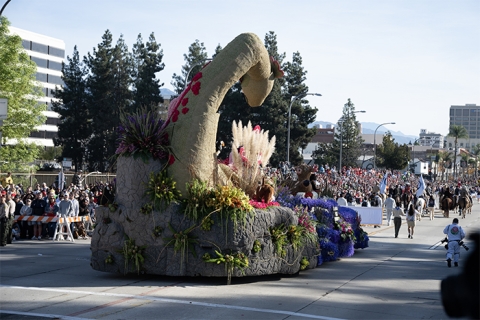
141 135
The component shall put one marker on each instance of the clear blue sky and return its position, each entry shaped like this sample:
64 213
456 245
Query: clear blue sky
403 61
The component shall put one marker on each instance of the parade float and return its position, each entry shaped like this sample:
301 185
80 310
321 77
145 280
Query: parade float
178 211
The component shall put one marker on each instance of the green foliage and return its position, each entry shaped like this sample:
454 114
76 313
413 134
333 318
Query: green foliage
324 154
161 190
15 158
109 259
257 246
391 155
347 135
457 132
236 260
196 202
302 114
147 208
195 59
108 85
147 62
206 224
304 263
75 126
19 86
279 239
182 241
134 253
230 202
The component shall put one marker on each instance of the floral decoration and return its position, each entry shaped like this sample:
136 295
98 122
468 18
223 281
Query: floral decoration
141 135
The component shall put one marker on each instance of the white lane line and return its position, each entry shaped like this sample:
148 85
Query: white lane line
151 298
42 315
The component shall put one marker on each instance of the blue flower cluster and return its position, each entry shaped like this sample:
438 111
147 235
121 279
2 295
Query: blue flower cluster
331 243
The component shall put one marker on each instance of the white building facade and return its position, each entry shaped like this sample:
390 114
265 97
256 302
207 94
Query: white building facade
48 54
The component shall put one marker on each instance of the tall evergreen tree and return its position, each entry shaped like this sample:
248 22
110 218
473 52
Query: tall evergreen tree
108 84
391 155
347 141
74 128
301 113
195 59
147 61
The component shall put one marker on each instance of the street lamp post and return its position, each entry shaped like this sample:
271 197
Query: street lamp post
341 138
375 143
293 99
195 65
3 8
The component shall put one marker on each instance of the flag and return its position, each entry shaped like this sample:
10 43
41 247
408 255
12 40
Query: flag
421 186
383 184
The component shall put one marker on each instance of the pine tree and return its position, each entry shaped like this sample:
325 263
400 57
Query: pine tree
391 155
347 142
301 113
108 84
147 61
74 129
195 59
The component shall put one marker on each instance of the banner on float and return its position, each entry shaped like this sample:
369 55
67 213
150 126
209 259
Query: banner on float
370 215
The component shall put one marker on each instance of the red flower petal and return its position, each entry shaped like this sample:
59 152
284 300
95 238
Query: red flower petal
197 76
196 88
171 159
185 110
175 115
184 102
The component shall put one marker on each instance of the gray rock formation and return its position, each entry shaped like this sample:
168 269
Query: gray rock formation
160 257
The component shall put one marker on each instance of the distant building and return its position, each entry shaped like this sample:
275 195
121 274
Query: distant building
323 135
430 139
48 53
467 116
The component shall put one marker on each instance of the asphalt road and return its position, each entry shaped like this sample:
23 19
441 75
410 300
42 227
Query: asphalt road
395 278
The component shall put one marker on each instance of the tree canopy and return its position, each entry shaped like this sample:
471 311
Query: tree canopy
19 86
391 155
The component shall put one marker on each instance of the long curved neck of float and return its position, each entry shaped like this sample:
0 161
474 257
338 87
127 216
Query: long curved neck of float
192 124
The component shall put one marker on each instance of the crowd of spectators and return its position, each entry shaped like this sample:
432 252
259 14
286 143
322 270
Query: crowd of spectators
47 201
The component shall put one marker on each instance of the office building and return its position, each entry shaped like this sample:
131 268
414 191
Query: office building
467 116
48 54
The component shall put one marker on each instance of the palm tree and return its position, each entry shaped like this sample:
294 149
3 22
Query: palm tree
476 153
446 157
464 163
457 132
